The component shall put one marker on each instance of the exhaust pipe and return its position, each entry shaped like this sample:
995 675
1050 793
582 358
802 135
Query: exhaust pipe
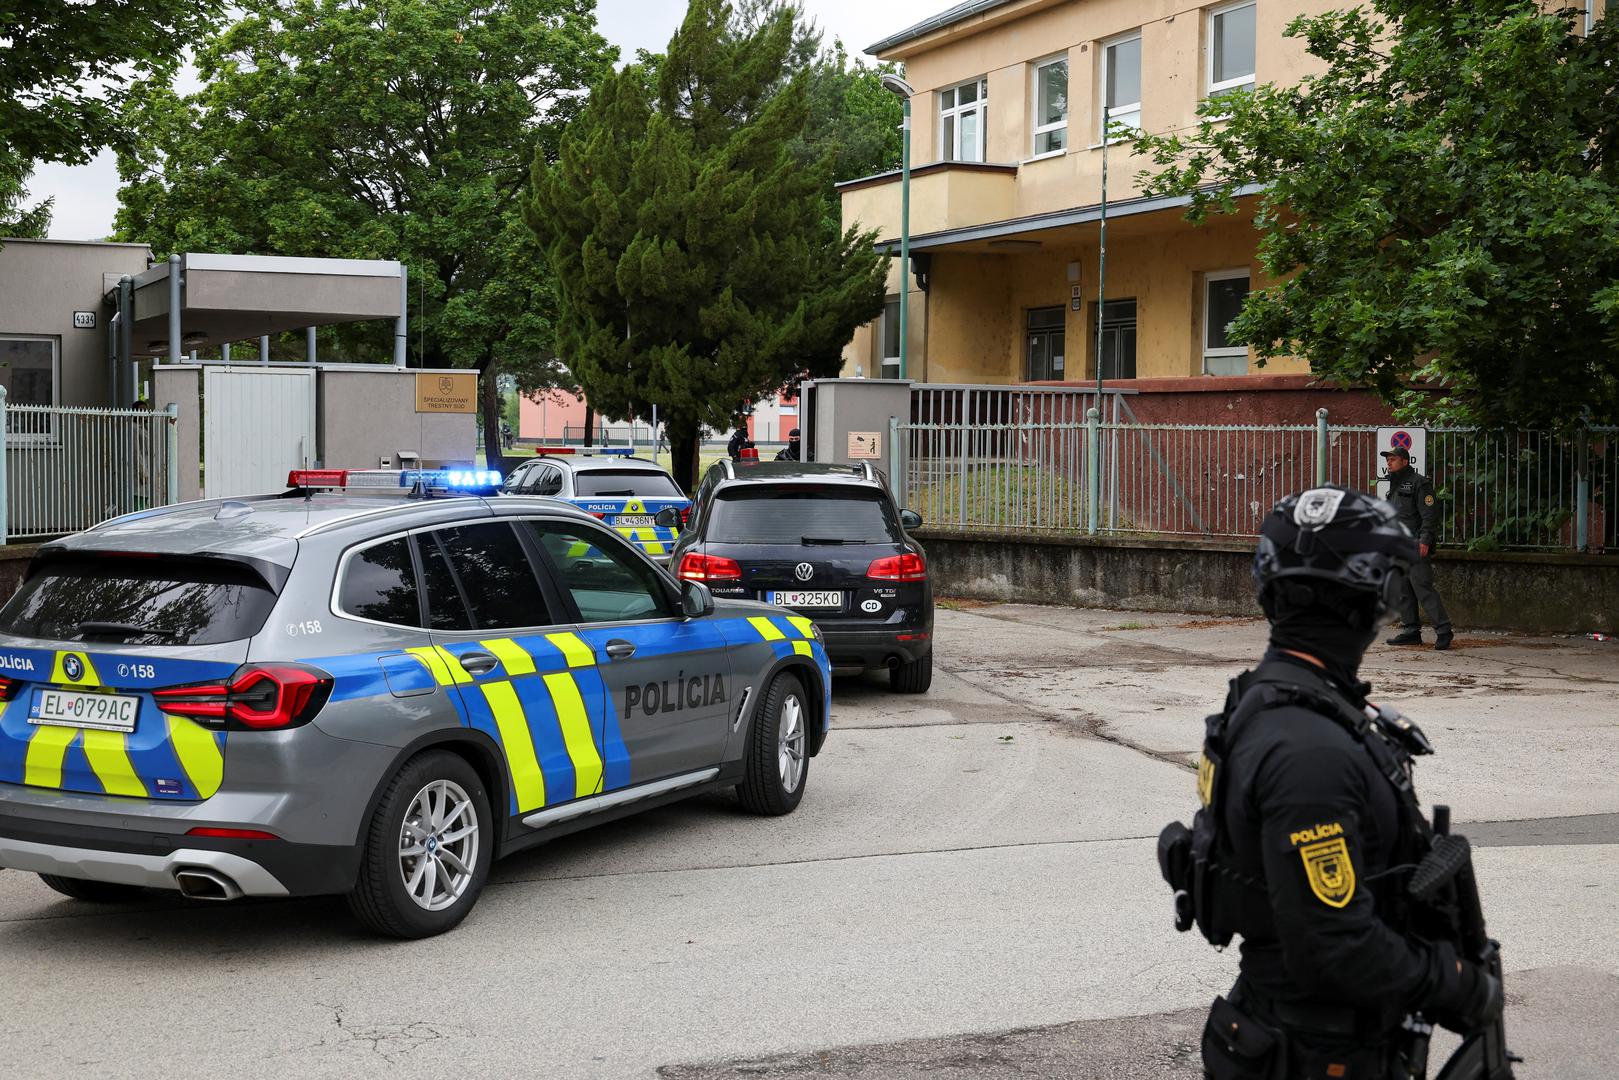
200 884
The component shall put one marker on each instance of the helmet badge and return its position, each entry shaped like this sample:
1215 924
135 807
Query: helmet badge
1317 507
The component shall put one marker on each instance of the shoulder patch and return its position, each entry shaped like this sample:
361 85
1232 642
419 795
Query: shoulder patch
1428 499
1330 872
1205 780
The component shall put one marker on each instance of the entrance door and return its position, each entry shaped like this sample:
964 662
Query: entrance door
1118 339
258 424
1046 354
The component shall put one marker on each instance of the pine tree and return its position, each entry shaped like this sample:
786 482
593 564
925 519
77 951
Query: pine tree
696 268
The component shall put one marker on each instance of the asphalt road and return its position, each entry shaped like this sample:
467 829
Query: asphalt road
968 890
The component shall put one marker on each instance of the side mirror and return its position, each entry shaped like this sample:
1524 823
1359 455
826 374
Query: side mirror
695 600
910 520
667 518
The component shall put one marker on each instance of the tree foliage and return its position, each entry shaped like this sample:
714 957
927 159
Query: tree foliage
695 266
1441 202
62 69
399 129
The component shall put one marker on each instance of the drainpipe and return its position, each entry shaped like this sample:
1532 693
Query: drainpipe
309 344
174 309
126 339
402 324
224 352
264 349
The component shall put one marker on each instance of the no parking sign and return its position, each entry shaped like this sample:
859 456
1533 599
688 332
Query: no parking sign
1413 440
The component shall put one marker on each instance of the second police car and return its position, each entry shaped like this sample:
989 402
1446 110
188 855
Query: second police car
331 692
612 485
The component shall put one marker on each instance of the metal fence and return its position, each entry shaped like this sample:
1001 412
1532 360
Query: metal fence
1024 462
63 469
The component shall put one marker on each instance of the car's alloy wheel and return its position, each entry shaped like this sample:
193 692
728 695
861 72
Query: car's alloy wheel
776 759
790 744
438 845
426 850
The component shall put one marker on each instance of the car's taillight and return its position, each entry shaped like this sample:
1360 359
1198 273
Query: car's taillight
907 567
695 566
231 834
8 688
258 696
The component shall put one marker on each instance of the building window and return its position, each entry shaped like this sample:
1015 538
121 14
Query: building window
1590 15
1050 106
28 370
890 365
1231 47
1118 339
1121 82
963 114
1223 294
1046 360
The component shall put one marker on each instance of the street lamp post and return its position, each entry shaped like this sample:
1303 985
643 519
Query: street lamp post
902 89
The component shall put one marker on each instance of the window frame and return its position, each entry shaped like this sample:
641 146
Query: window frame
1225 351
1213 88
884 361
48 435
337 609
951 118
1107 45
1037 129
555 583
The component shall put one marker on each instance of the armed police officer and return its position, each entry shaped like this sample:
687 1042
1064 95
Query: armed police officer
1412 495
1309 826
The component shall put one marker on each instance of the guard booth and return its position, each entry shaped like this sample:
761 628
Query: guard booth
245 422
847 420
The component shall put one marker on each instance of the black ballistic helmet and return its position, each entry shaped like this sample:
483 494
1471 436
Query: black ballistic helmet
1332 534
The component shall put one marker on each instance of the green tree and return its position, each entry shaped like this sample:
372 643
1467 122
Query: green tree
379 129
695 267
1439 203
62 69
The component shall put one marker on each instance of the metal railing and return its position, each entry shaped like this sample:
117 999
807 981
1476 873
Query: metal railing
1031 463
63 469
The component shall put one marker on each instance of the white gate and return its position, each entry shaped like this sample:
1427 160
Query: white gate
258 423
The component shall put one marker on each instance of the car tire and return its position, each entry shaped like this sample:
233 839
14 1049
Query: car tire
776 765
914 677
94 892
419 875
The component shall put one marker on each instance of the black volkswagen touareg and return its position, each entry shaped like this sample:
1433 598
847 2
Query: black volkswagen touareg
824 541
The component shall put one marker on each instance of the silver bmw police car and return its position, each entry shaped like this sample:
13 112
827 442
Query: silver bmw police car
331 692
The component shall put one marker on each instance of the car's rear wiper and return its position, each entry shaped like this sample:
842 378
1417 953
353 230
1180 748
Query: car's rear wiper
610 495
830 540
93 626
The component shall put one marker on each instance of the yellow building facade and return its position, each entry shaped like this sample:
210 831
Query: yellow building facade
1006 191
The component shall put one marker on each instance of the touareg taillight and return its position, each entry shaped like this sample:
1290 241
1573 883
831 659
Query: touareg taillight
907 567
695 566
258 697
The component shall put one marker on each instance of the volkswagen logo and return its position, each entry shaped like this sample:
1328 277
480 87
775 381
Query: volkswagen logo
803 571
72 667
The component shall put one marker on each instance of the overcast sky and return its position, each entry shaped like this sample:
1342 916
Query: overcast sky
87 196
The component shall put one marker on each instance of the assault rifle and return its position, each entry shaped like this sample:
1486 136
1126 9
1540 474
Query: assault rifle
1444 880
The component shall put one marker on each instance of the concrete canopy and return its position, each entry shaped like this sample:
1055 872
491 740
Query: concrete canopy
240 297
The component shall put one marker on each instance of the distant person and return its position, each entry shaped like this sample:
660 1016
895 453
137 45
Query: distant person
1417 509
790 452
739 442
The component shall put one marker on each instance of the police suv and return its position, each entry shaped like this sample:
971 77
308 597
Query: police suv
613 485
335 691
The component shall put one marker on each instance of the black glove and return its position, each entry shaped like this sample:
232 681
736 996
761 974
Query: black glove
1468 998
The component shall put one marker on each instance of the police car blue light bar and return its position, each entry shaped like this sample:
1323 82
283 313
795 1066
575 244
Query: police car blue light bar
617 451
451 479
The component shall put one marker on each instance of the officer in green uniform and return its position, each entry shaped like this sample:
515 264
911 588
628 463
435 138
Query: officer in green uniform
1418 510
